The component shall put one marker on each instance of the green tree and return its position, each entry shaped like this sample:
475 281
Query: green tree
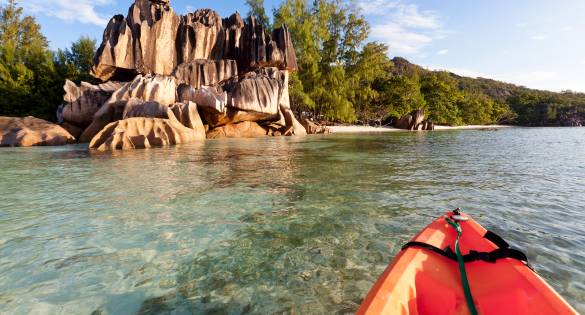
27 76
256 9
403 95
442 96
75 63
368 78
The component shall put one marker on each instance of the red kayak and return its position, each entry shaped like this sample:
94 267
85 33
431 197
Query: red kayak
455 266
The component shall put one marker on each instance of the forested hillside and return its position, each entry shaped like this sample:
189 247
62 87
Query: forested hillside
530 107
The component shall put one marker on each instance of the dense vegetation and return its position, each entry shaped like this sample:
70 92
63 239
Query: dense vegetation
344 78
341 76
32 76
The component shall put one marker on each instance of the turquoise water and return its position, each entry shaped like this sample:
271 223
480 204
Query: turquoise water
279 225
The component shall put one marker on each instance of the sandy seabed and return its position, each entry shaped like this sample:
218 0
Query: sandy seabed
351 129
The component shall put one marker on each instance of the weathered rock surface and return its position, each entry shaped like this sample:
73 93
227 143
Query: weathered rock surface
313 128
414 121
153 39
83 101
188 115
203 72
253 97
137 132
155 88
138 108
31 131
246 129
292 123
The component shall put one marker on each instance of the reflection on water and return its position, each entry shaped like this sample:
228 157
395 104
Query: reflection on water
280 225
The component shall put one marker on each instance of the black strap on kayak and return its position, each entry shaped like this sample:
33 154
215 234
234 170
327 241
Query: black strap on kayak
473 255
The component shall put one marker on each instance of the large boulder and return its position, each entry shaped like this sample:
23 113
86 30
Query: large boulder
246 129
83 101
411 121
314 128
31 131
155 88
152 39
143 42
138 132
253 97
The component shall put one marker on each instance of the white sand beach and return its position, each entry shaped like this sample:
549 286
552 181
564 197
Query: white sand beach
356 128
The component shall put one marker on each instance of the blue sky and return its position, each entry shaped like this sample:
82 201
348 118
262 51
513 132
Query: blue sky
535 43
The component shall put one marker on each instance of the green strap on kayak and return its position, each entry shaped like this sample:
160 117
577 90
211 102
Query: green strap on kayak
464 281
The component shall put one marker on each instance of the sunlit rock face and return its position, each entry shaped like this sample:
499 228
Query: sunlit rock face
31 131
154 39
196 71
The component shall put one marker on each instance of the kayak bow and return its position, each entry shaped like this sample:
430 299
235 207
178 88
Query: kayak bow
455 266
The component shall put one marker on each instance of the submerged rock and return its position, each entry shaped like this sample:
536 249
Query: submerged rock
31 131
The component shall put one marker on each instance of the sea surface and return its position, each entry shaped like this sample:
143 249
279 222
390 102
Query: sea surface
275 225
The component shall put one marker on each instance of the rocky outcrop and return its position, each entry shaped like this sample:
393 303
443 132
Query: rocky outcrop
414 121
313 128
255 96
196 71
152 39
140 132
246 129
31 131
154 88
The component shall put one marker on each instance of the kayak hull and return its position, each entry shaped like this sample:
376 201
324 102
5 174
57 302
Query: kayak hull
419 281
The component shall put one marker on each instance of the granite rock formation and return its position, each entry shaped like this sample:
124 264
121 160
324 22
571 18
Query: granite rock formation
414 121
31 131
314 128
153 39
140 132
176 77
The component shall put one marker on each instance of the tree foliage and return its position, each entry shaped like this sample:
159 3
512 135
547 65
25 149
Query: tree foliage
258 11
31 76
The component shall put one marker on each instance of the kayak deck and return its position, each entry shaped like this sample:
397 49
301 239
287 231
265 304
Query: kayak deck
420 281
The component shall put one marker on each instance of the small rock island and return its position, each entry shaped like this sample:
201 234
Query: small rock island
171 79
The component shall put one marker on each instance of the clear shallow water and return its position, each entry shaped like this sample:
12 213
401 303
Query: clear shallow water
280 225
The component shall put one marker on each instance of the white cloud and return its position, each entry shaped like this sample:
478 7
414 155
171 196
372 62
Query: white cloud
83 11
403 27
443 52
539 37
522 25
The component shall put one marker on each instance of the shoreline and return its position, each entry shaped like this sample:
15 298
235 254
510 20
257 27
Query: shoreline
357 128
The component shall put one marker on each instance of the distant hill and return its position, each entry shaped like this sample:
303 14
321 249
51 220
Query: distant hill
533 107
